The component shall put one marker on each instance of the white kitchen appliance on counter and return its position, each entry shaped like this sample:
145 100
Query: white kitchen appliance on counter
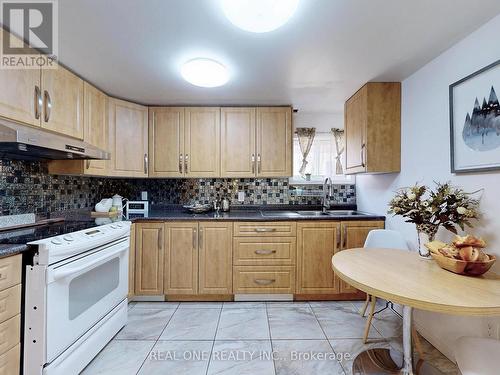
76 298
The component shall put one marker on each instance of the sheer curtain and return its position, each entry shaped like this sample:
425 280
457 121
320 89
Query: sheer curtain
338 135
306 138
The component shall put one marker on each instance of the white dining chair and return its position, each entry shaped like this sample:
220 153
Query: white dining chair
385 239
477 356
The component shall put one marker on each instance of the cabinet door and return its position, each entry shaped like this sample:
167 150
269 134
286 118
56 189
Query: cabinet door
317 242
95 126
62 102
128 137
355 114
19 99
353 235
149 253
274 142
181 260
215 248
202 142
238 154
166 142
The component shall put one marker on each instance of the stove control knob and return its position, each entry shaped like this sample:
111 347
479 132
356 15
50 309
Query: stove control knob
119 225
113 226
56 241
68 238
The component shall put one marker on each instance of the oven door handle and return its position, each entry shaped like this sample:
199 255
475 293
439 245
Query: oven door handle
65 272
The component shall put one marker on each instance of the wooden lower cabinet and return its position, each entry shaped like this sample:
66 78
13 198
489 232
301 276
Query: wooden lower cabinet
149 255
215 258
353 235
317 242
181 260
264 279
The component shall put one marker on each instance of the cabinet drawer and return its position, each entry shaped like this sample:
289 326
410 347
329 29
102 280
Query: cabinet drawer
10 303
10 333
264 251
261 229
10 271
10 362
264 279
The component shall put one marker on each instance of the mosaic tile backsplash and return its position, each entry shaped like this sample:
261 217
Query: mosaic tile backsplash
26 187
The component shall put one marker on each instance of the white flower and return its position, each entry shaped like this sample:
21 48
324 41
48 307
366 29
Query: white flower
411 196
429 209
461 210
425 204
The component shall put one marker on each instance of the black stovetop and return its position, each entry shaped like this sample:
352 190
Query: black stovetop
25 235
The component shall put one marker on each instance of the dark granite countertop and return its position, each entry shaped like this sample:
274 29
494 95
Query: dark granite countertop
12 249
255 213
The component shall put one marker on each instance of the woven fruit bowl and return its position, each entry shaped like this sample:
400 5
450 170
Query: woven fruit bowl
464 256
463 267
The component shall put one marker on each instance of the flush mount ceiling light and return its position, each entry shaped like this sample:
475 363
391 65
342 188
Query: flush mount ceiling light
259 16
205 72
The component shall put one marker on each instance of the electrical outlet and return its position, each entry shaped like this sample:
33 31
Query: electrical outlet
241 196
490 330
144 195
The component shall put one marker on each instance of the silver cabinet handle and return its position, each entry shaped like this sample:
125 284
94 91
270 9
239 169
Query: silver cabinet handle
194 239
47 104
259 164
145 163
265 230
160 239
264 281
345 237
338 237
265 252
38 102
87 164
363 147
180 163
253 163
186 159
201 238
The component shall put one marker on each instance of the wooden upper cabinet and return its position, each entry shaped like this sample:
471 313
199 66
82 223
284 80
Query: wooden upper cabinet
215 261
373 129
238 153
166 142
149 256
202 142
274 142
95 126
353 235
62 93
317 242
181 258
128 139
20 94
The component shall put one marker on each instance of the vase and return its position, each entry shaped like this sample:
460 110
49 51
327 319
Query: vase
426 233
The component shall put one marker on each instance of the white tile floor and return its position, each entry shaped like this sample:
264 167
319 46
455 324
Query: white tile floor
275 338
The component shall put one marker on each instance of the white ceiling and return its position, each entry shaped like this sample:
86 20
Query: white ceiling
133 49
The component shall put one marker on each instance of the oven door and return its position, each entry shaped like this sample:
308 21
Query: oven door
83 291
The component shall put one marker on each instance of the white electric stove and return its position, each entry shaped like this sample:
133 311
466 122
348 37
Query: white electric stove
76 298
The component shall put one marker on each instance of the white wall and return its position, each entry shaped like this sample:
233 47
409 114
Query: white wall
426 157
322 121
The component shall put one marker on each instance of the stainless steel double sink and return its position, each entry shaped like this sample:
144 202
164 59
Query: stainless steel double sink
329 213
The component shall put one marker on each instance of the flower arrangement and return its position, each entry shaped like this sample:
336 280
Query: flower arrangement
428 209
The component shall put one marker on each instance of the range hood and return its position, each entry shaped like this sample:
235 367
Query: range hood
21 142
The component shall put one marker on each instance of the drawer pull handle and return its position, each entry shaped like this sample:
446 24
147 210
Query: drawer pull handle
265 252
264 281
265 230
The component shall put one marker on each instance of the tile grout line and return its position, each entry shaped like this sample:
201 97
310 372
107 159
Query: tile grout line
270 338
213 342
156 341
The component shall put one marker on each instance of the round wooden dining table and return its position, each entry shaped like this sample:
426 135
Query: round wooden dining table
404 278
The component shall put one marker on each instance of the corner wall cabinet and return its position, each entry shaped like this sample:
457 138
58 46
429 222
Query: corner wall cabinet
373 129
95 105
204 260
